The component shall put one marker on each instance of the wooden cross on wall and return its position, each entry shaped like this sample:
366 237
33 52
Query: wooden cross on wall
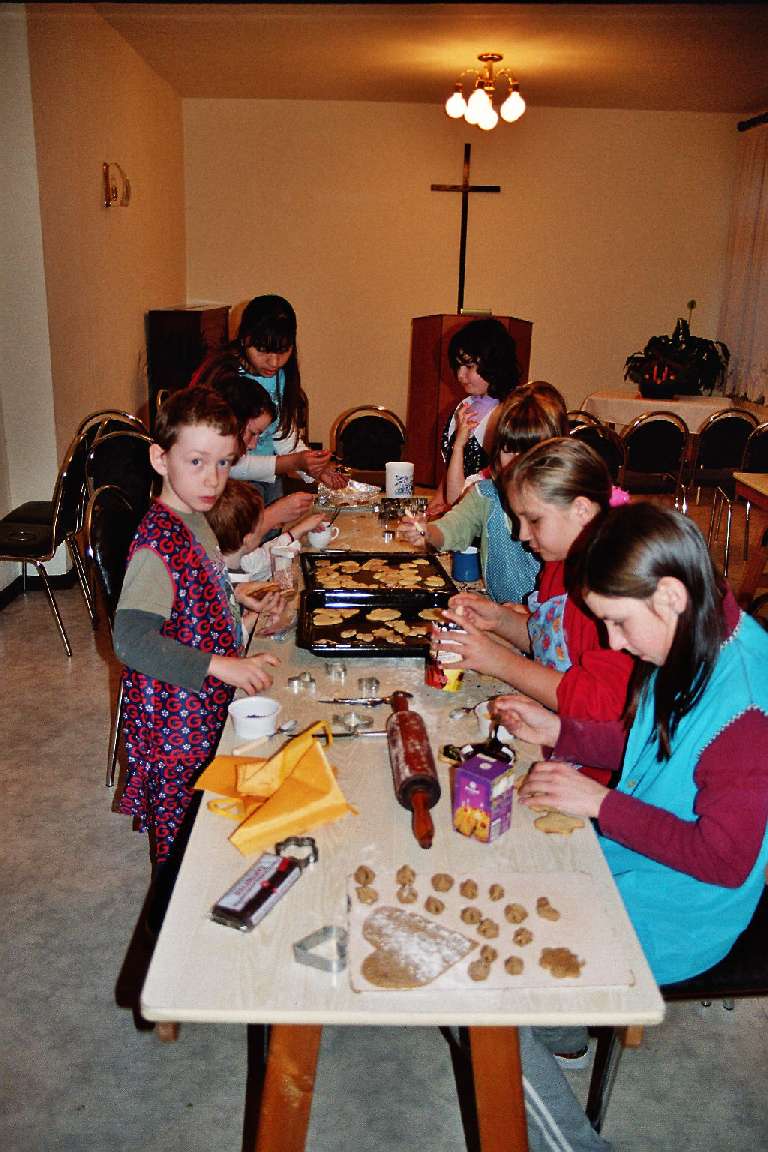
465 188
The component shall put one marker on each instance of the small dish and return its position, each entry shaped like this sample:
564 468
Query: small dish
254 716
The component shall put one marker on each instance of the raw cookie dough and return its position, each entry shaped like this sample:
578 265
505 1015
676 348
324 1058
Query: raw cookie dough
545 909
515 913
488 953
471 915
488 929
558 824
442 882
405 874
468 889
434 906
513 965
522 936
495 892
407 894
366 894
479 970
561 962
364 874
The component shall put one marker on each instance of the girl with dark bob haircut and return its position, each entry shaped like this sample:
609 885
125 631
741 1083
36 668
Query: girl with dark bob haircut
683 830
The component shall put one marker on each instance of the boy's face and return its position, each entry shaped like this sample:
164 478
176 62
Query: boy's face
195 468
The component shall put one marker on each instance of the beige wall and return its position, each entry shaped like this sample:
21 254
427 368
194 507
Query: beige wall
94 99
28 460
607 223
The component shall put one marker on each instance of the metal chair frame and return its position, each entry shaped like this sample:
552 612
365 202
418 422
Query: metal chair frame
703 470
590 433
579 417
109 570
97 462
754 459
33 537
345 419
677 478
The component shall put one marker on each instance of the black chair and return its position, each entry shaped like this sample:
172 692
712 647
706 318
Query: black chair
122 459
363 439
110 525
607 444
579 418
720 446
32 532
656 444
743 972
754 459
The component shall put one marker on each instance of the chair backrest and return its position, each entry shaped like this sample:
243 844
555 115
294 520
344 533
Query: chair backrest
655 443
607 444
577 418
69 493
722 437
367 437
110 420
122 459
110 525
755 458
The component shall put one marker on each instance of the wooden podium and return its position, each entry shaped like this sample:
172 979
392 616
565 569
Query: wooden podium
433 391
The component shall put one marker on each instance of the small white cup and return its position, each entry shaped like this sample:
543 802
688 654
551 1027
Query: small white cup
484 724
254 716
322 536
399 478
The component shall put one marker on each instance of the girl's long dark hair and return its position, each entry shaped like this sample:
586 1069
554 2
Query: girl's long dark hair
268 323
625 554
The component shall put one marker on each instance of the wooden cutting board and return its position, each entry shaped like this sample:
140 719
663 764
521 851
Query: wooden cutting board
403 945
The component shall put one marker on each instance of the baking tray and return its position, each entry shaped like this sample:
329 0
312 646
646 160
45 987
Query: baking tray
371 590
327 639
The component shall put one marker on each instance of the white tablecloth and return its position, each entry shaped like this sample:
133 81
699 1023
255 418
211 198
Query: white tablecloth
620 408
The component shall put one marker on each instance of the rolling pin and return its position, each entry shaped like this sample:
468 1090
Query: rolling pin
414 775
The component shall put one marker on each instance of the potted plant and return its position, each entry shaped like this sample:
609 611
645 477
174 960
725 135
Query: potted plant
678 365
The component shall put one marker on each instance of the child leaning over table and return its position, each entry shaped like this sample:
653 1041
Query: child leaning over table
237 522
178 629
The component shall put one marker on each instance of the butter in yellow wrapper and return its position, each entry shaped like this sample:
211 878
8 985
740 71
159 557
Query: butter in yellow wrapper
284 795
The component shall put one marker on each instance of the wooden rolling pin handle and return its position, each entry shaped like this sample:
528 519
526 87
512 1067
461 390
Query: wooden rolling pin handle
423 828
399 702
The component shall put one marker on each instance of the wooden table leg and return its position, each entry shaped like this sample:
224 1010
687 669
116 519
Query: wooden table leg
499 1089
757 560
286 1097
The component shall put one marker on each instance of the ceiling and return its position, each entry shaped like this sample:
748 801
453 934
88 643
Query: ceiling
668 57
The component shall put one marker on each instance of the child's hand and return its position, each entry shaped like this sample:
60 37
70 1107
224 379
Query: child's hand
466 421
308 524
437 506
249 672
555 784
476 649
477 610
410 530
290 508
266 614
332 478
527 719
313 460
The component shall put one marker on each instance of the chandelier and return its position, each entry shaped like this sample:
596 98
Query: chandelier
479 109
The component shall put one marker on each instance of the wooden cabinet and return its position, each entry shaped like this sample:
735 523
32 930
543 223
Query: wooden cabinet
433 391
178 340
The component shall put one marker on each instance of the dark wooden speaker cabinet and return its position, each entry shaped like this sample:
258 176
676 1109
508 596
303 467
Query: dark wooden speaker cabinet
178 340
433 391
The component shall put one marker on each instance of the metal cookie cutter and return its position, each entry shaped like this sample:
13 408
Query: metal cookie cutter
305 951
301 849
304 682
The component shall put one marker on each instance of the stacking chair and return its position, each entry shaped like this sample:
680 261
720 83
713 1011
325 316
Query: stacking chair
607 444
743 972
719 447
110 525
110 420
656 444
754 459
578 418
122 459
32 532
363 439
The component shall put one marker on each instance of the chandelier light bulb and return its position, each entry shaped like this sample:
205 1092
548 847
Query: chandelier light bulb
489 119
478 103
456 105
513 107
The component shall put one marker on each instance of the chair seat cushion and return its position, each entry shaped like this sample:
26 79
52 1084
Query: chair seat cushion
33 512
743 972
25 541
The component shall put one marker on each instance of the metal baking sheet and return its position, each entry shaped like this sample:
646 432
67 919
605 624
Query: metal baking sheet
326 640
372 590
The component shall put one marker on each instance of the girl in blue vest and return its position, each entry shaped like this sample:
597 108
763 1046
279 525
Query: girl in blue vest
684 830
265 353
178 629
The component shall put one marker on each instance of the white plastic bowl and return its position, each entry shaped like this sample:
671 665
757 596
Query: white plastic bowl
254 716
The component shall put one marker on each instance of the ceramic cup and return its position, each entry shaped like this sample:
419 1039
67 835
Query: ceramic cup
254 716
466 565
322 536
484 724
399 478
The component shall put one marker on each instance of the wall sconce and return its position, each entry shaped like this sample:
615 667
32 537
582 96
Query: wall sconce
117 186
478 109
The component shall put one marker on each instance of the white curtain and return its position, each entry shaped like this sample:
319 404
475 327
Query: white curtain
744 315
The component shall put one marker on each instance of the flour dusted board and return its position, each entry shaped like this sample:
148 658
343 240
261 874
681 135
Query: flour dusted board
418 935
